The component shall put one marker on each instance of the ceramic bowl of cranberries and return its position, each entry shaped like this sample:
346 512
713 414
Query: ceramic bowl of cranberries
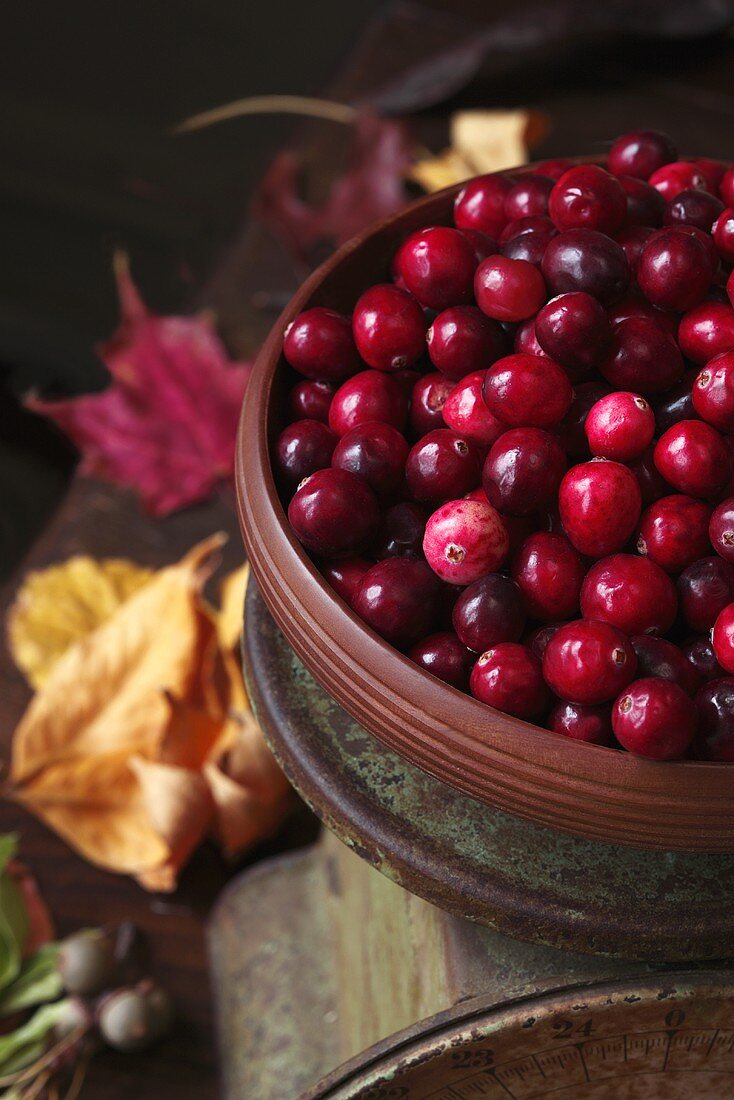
486 484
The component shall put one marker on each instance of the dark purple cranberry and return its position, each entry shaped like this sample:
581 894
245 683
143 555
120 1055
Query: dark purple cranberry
526 340
482 243
553 168
715 739
377 452
523 470
345 575
398 598
528 197
587 197
310 400
427 402
674 270
693 458
489 611
334 513
633 239
462 340
437 266
721 529
676 404
655 718
652 485
527 239
444 656
645 205
303 448
549 573
537 640
640 153
508 677
632 305
697 208
700 653
401 532
658 657
630 592
480 204
673 532
588 662
582 259
319 344
713 172
705 588
442 466
574 331
642 358
582 723
521 227
369 395
572 433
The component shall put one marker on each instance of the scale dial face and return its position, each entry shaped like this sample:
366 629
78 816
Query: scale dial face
671 1037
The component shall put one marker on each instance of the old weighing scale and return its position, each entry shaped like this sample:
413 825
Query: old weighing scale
379 963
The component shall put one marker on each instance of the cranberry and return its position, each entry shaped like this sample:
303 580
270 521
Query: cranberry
437 266
319 344
588 662
582 259
572 429
553 168
652 485
726 186
406 378
389 327
527 226
645 205
528 196
680 175
633 239
674 532
704 589
489 611
631 593
723 233
697 208
518 529
707 243
369 395
377 452
620 426
303 448
466 412
699 652
722 638
523 470
462 340
527 239
706 330
549 573
633 306
428 399
657 657
508 290
526 341
713 392
464 539
582 723
599 504
345 575
674 271
481 204
442 466
310 400
655 718
715 702
730 288
676 404
643 358
640 153
482 243
401 531
587 197
333 513
713 172
721 529
527 391
574 331
445 657
537 640
398 598
508 677
693 458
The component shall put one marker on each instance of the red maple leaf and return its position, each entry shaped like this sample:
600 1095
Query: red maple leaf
166 425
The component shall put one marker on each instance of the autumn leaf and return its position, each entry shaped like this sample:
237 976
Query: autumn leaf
166 424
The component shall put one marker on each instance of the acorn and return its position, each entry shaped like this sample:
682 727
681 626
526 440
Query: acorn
86 962
130 1019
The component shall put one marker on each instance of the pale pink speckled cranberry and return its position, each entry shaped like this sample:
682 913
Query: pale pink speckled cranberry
464 540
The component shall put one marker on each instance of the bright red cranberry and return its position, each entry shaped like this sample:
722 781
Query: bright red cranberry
481 204
401 531
574 331
489 611
427 402
398 598
655 718
706 330
722 638
465 412
482 243
526 341
523 470
713 172
693 458
572 429
680 175
697 208
713 392
642 358
334 513
582 723
633 239
631 593
582 259
553 168
549 573
730 288
674 532
599 504
303 448
660 658
645 205
640 153
537 640
389 327
444 656
588 662
715 739
462 340
674 271
527 391
723 233
707 243
527 239
442 466
635 306
726 186
587 197
345 575
528 197
699 652
369 395
508 677
437 265
465 539
704 590
721 529
620 426
676 404
377 452
652 485
319 344
508 290
310 400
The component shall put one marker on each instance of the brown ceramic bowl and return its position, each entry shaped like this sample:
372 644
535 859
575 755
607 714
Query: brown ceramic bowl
593 792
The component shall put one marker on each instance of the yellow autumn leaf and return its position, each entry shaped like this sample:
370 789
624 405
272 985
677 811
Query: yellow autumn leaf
231 609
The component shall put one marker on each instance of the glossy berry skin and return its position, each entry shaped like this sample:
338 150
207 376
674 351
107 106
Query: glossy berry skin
693 458
466 412
398 598
655 718
345 575
489 611
699 653
464 540
674 270
369 395
645 205
634 306
642 358
723 234
319 344
680 175
553 168
599 503
528 197
525 391
537 640
389 327
572 429
706 330
587 197
620 426
633 239
588 662
730 287
726 186
507 289
631 593
691 207
482 243
715 739
437 266
508 677
377 452
676 404
704 589
480 204
713 392
652 485
673 532
462 340
659 657
721 529
582 723
527 239
549 572
427 401
334 513
310 400
713 172
401 531
640 153
722 638
523 470
303 448
573 330
442 466
444 656
583 259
